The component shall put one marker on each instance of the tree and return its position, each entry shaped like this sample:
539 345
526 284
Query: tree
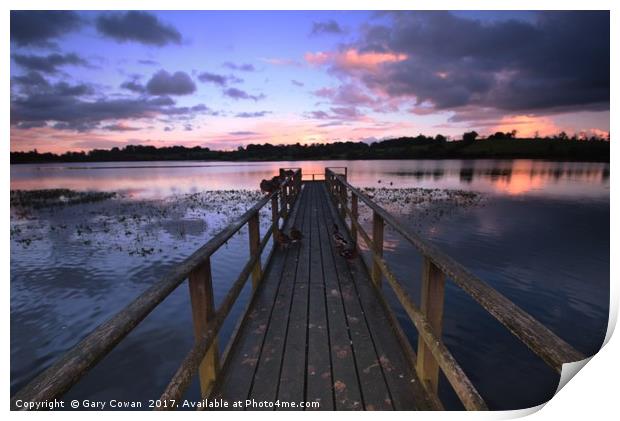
470 137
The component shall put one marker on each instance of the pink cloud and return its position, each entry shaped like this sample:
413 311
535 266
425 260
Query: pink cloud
353 60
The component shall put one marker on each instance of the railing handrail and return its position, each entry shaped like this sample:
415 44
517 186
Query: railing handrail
553 350
75 363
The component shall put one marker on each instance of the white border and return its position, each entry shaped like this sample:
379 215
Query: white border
592 393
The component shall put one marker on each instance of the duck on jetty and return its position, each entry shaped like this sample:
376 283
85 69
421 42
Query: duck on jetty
282 240
295 235
269 186
338 238
349 253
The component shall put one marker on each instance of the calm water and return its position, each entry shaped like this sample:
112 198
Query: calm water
540 236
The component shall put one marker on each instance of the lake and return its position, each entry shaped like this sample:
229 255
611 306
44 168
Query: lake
539 234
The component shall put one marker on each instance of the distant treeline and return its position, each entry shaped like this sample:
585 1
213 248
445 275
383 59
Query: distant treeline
498 145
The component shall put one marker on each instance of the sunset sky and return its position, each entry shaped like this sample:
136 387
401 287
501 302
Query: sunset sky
84 80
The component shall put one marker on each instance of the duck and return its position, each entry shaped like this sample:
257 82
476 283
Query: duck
295 235
349 253
282 239
338 238
267 186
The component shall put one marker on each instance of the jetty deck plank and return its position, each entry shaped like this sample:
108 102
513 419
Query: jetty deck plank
317 330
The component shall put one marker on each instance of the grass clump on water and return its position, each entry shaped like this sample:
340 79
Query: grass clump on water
40 199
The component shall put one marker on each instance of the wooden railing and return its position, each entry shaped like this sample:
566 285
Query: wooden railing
432 354
203 357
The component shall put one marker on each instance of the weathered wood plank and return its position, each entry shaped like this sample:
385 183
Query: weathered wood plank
406 390
292 376
237 375
266 378
370 373
344 372
319 370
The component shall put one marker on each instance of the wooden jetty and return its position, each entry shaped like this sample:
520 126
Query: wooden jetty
318 332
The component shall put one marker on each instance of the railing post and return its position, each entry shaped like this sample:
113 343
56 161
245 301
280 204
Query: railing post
203 309
432 300
283 201
377 240
343 200
254 233
354 219
275 218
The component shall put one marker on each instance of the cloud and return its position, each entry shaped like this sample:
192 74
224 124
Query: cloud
252 114
148 62
35 102
236 94
164 83
327 27
119 127
241 67
337 113
133 86
451 63
50 63
216 79
297 83
35 83
38 27
242 133
137 26
351 60
30 80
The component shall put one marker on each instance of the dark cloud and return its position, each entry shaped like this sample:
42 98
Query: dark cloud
50 63
164 83
242 67
38 27
235 93
31 80
297 83
559 61
252 114
217 79
35 83
133 86
137 26
327 27
35 102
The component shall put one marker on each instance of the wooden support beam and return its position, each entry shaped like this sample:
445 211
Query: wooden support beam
203 309
275 217
343 200
432 301
377 240
254 233
354 219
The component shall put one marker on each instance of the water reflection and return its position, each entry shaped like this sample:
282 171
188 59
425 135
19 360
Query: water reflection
162 179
